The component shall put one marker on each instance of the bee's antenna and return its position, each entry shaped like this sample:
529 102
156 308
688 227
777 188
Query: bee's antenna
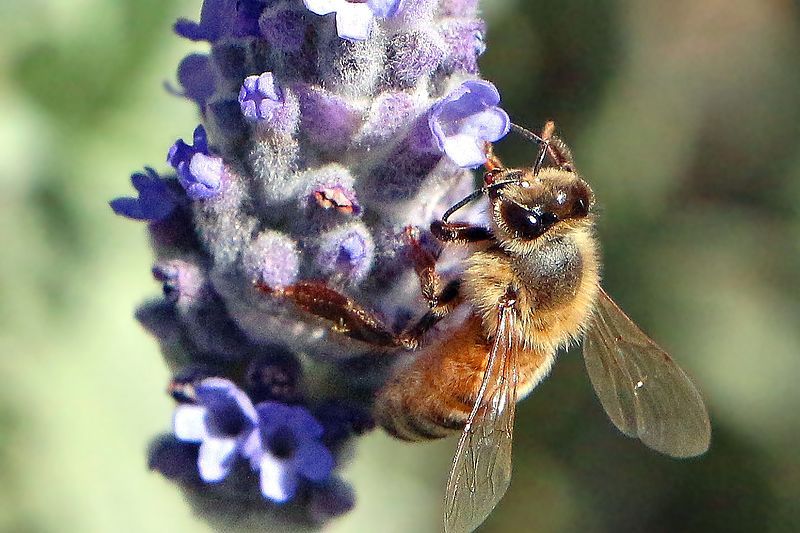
528 134
544 143
476 194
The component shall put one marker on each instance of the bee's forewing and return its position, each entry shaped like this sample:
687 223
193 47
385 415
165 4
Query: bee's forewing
481 470
641 388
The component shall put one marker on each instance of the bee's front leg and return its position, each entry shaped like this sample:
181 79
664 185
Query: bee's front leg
460 232
493 163
441 297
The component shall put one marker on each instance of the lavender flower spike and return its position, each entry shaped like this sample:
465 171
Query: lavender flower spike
318 146
223 421
466 119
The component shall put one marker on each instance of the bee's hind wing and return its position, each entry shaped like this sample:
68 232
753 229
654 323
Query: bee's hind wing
644 392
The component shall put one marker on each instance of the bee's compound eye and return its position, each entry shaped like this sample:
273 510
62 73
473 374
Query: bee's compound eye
548 219
523 223
580 208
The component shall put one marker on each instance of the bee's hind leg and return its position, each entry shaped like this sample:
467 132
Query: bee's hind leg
348 317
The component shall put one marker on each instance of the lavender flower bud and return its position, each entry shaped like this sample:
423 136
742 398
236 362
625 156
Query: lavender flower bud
271 258
329 126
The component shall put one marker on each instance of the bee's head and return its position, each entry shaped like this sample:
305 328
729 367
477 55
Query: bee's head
552 202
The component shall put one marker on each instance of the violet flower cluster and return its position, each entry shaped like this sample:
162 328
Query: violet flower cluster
328 127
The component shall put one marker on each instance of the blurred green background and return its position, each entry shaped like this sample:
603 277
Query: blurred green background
684 117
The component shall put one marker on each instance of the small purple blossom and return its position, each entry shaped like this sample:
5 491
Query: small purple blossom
290 450
354 19
347 252
262 100
156 200
464 120
199 172
223 421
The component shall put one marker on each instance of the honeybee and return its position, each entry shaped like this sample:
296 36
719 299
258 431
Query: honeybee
532 285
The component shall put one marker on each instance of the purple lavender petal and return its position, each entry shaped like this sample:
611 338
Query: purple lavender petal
278 480
220 393
196 77
354 22
464 150
313 461
216 458
322 7
263 101
199 173
251 449
155 202
304 425
203 177
273 415
465 119
384 8
188 422
200 139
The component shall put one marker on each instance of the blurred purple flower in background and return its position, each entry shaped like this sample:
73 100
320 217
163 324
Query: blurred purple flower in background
322 139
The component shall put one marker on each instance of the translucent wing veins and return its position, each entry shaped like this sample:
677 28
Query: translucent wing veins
481 470
641 388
